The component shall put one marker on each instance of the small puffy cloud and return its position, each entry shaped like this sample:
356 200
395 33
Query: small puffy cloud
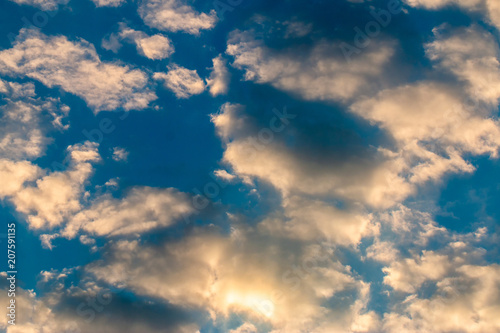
382 252
154 47
76 68
218 81
111 43
223 174
182 81
175 15
297 29
108 3
46 240
320 73
42 4
142 210
419 120
120 154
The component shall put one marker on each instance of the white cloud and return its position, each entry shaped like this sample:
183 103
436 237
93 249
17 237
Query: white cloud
175 15
42 4
241 274
312 220
108 3
297 29
359 178
23 125
219 77
223 174
76 68
409 274
154 47
182 81
85 307
46 240
142 210
13 175
321 73
467 302
472 55
489 8
436 4
382 252
120 154
56 196
434 129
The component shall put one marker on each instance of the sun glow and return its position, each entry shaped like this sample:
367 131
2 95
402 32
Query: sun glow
257 303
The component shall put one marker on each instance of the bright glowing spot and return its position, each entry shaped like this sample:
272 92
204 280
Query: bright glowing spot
256 303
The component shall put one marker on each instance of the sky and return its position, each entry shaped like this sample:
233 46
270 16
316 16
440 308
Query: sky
237 166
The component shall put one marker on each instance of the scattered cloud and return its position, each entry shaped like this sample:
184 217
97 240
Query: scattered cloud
142 210
120 154
56 197
175 15
218 81
182 81
156 47
42 4
320 73
76 68
109 3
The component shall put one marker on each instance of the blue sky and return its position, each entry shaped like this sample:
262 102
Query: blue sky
251 166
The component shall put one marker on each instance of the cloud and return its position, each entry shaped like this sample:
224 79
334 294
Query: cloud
143 209
245 328
156 47
219 78
489 8
120 154
223 174
409 274
56 196
310 220
46 240
434 129
360 175
318 73
297 29
175 15
436 113
42 4
13 175
182 81
239 274
472 55
468 302
87 307
109 3
76 68
23 124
